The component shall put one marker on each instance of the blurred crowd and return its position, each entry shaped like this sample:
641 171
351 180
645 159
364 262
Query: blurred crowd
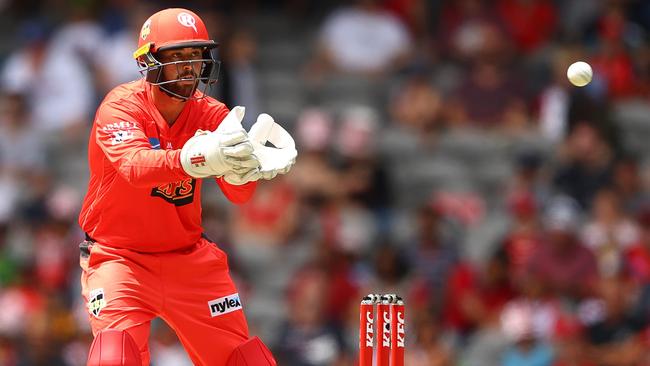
443 156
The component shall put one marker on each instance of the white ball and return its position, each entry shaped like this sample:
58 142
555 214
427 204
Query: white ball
579 73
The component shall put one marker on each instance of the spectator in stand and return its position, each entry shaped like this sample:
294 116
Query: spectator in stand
429 347
81 37
362 39
638 267
526 346
637 257
554 99
54 75
533 293
585 164
470 30
20 167
615 334
391 271
117 66
561 263
474 299
415 14
308 338
362 172
609 232
628 184
416 112
613 62
530 23
432 257
238 82
528 186
576 18
350 216
524 235
489 98
314 176
344 283
16 132
268 219
569 343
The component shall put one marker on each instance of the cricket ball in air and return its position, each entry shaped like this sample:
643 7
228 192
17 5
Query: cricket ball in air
579 73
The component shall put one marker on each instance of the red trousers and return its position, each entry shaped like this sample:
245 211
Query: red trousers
190 289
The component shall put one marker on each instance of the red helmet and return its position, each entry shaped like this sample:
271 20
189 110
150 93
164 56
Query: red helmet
170 29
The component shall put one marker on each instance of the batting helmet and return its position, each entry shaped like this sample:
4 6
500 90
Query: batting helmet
173 29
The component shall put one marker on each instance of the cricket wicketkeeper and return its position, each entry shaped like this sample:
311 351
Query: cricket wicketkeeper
145 256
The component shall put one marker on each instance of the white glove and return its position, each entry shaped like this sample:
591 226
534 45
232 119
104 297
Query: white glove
215 153
273 160
239 179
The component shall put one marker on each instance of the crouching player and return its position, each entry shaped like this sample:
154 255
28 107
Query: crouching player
145 256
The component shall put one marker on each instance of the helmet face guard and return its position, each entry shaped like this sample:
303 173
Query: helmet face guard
152 68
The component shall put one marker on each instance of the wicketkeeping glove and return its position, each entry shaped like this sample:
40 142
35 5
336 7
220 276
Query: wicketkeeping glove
273 160
227 149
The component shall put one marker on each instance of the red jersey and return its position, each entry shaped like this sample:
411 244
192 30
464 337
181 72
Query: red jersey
139 197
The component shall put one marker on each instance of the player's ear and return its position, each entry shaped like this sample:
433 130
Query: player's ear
210 71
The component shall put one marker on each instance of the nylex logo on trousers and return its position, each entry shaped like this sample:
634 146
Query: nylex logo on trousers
224 305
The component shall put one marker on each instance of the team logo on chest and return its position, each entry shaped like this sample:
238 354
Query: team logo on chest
177 193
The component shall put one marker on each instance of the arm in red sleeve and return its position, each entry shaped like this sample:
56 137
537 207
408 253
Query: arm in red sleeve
120 135
237 194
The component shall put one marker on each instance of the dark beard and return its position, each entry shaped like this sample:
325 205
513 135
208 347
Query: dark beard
182 90
186 90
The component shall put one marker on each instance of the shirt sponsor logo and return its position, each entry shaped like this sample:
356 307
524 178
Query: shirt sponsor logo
122 125
120 131
177 193
224 305
96 301
121 136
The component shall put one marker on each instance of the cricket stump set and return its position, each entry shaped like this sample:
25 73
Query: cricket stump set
389 346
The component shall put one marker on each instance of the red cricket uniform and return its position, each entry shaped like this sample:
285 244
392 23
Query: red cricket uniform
147 257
